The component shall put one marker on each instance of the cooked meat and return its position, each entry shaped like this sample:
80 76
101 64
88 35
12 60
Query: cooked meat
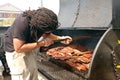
82 59
87 55
77 66
73 57
81 67
86 65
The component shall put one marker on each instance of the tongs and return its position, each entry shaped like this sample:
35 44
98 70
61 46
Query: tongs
75 38
59 40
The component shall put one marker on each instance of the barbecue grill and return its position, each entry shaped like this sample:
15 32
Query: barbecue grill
96 25
93 25
55 69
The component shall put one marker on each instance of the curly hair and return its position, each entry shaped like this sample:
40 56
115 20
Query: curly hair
41 20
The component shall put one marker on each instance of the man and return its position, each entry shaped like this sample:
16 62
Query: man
22 38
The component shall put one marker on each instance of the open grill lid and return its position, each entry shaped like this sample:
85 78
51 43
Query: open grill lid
85 14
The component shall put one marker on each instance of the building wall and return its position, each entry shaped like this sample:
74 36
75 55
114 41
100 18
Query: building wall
7 19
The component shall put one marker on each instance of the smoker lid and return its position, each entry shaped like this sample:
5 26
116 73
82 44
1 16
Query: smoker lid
85 13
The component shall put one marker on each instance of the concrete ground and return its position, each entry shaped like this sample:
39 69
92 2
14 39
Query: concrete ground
1 77
5 78
40 76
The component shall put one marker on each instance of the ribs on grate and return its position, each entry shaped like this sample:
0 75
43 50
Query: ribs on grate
73 57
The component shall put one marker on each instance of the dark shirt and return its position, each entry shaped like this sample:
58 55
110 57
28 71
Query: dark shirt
20 29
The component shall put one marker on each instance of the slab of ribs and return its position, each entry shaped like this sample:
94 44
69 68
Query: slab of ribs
75 58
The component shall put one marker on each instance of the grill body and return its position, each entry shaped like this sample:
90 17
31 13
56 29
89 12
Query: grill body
102 63
54 69
80 18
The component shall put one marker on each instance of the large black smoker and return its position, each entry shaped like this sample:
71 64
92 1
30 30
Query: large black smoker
98 19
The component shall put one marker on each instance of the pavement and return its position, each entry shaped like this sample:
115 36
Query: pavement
41 77
1 77
1 69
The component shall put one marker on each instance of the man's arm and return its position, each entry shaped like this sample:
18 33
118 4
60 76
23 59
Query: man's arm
21 46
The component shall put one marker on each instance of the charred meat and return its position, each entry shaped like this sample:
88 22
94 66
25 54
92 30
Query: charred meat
73 57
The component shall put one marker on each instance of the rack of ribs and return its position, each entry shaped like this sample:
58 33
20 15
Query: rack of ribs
72 56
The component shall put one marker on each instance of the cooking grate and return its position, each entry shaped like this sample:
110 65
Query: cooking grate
55 72
58 69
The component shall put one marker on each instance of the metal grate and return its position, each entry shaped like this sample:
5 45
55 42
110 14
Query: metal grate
55 72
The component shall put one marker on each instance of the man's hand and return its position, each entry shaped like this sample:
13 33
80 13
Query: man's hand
67 39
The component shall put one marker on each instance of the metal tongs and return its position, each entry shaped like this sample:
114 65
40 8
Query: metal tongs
75 38
59 40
